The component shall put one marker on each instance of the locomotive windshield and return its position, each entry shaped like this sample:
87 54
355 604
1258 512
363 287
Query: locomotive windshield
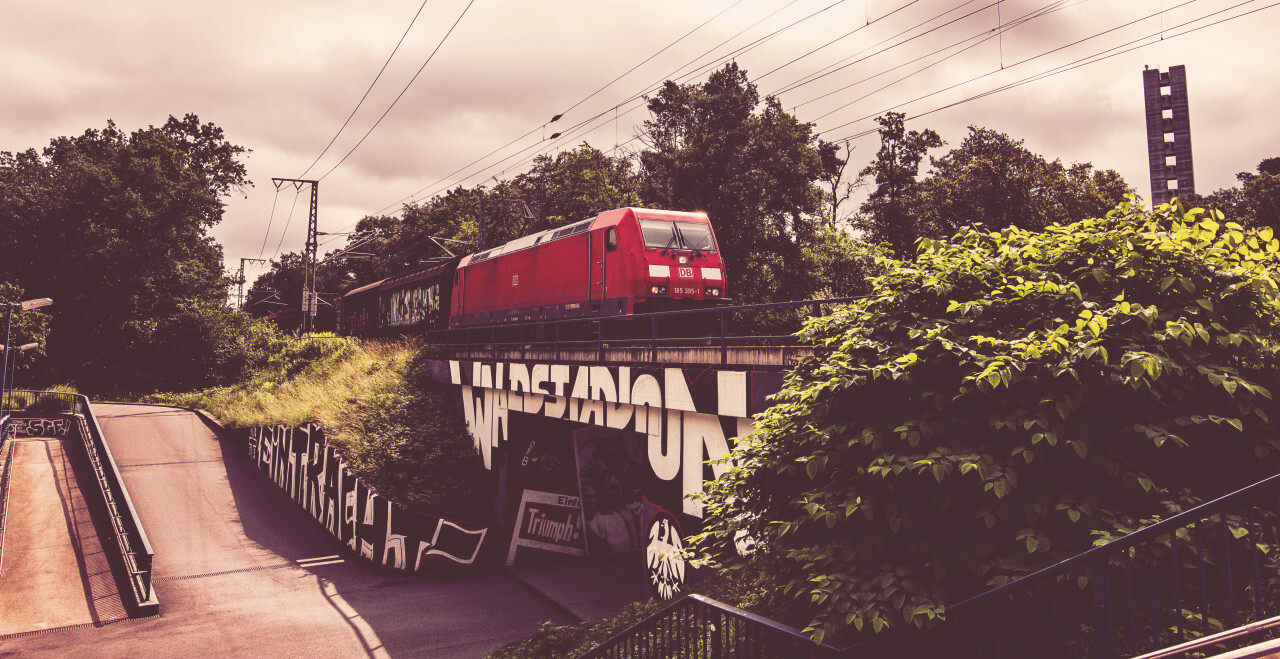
666 234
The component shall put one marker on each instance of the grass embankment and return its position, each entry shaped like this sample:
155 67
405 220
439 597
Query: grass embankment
393 426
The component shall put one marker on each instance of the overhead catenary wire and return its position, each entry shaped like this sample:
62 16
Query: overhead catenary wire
270 218
1093 58
366 92
435 187
982 37
636 98
402 92
585 126
297 191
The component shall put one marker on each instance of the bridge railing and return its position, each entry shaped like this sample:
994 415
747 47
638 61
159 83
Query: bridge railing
641 334
1208 570
44 401
1199 583
697 626
131 540
6 468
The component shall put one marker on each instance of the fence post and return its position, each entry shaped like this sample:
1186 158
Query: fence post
724 337
653 338
713 649
1102 613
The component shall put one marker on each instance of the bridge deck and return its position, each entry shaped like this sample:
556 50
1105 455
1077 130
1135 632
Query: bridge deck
767 357
54 571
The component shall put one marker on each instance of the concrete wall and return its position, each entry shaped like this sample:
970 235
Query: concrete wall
302 464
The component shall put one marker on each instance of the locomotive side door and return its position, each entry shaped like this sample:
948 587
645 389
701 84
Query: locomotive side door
596 270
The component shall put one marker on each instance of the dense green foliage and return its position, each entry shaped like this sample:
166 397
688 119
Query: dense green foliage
1256 203
26 327
412 446
113 226
753 167
1000 403
989 178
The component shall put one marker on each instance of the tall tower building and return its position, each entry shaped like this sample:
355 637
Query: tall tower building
1168 133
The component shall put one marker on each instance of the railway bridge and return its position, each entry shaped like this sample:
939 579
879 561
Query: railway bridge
593 440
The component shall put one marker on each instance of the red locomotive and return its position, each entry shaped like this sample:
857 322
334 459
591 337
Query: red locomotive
620 262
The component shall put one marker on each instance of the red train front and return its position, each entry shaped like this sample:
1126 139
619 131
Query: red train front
625 261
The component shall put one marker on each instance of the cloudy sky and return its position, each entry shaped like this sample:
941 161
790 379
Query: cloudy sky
282 76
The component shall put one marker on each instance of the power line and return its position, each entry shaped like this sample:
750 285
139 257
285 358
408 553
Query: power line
269 219
982 37
450 175
366 92
402 91
639 95
1093 58
296 192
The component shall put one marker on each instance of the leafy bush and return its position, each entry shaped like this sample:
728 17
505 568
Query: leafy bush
1001 403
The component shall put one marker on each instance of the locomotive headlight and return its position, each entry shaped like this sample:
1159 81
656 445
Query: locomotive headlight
713 292
658 290
684 260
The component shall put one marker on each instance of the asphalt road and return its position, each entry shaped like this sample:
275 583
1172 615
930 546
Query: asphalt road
241 570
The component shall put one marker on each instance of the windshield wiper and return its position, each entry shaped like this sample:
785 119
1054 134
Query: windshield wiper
685 243
669 242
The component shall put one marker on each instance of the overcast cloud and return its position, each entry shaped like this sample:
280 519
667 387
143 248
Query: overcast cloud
281 77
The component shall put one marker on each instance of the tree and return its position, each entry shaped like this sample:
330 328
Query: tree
888 214
754 168
993 179
112 225
1002 402
28 327
1256 202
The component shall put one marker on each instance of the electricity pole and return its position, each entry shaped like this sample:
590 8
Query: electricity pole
309 252
240 281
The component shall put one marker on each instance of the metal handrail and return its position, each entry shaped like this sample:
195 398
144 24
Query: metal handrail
447 339
1106 609
131 539
6 447
695 625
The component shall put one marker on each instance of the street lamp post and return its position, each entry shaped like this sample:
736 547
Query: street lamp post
26 305
11 367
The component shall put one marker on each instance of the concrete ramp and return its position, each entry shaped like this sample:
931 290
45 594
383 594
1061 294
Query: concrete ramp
54 571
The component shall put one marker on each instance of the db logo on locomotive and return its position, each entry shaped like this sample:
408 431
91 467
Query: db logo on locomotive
685 273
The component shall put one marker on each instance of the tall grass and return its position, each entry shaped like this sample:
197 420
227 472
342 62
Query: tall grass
393 426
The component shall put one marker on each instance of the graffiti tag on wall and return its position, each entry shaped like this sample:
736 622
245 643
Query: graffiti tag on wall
38 427
302 463
686 425
413 305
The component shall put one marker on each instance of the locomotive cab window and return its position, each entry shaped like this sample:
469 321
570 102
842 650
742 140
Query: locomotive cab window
666 234
610 240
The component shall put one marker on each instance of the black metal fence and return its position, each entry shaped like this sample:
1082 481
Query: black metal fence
52 402
697 627
1200 583
1197 575
724 328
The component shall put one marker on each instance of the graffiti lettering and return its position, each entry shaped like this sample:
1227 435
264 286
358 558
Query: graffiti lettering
301 462
413 305
38 427
692 431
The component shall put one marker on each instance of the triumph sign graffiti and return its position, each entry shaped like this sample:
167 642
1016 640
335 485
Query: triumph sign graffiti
687 416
